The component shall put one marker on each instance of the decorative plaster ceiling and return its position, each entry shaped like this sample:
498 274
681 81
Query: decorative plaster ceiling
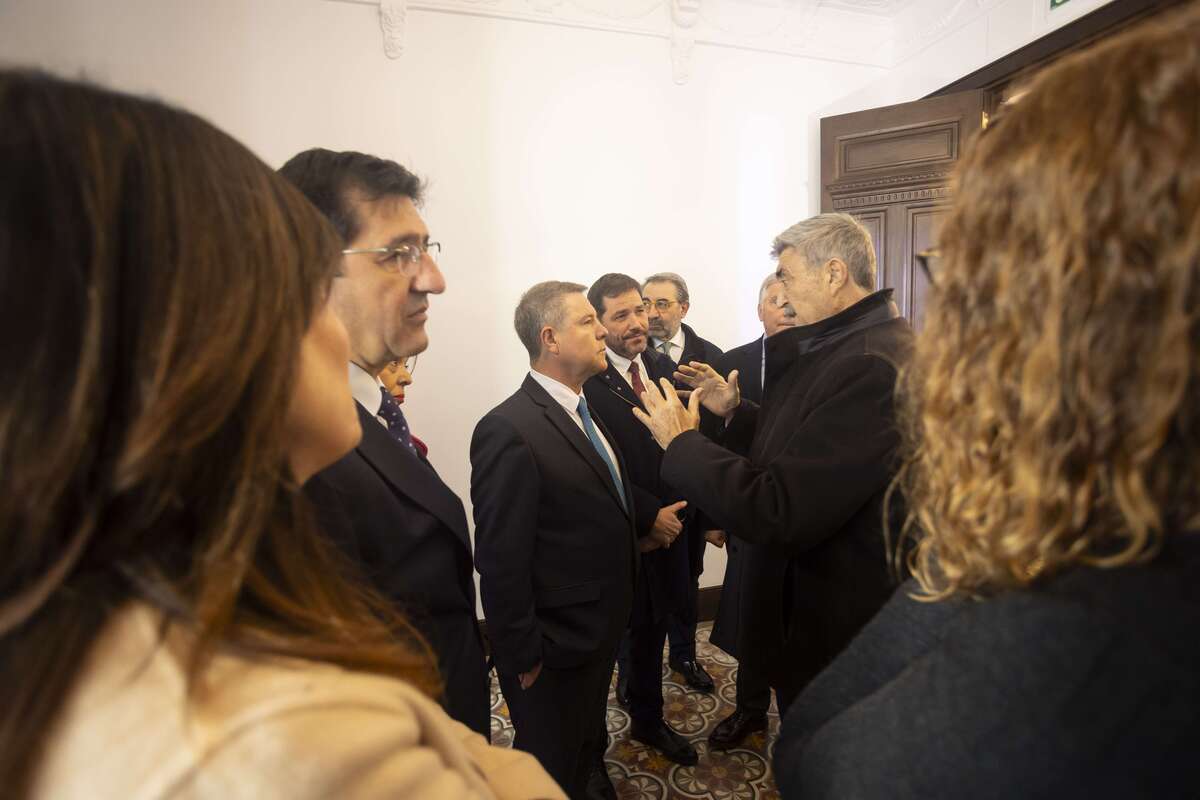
872 32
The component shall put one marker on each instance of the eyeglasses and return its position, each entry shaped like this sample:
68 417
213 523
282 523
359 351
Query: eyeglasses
410 365
661 305
403 258
925 258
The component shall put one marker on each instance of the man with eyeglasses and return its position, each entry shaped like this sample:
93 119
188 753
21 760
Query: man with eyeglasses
667 303
384 503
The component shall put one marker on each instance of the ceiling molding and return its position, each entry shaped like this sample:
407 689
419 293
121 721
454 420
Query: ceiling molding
878 33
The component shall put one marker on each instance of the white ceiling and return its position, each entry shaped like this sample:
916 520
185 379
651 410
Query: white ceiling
880 33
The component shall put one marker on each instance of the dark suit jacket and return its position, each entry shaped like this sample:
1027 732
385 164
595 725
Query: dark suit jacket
819 456
743 598
555 550
663 585
392 514
704 351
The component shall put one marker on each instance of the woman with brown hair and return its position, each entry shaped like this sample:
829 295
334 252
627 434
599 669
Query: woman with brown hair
1049 645
171 622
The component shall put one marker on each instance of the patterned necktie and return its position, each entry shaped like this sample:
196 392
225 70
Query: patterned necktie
665 349
635 379
592 434
397 425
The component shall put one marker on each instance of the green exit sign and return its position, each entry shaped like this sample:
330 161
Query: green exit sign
1056 3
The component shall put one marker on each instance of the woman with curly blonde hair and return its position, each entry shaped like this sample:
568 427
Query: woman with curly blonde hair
1049 644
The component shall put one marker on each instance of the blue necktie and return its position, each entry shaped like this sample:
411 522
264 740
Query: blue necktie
592 434
397 425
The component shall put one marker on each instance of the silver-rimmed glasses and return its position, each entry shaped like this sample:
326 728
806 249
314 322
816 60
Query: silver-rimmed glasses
403 258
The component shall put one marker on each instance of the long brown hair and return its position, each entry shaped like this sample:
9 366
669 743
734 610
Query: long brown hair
155 282
1052 407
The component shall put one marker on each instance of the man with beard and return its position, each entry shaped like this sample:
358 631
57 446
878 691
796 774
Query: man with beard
804 474
662 586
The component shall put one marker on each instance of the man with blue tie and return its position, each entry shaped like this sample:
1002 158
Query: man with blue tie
384 503
555 543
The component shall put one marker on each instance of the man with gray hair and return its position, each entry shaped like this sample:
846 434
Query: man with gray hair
555 541
804 474
667 303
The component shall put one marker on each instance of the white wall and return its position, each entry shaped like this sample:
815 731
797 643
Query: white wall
551 152
965 40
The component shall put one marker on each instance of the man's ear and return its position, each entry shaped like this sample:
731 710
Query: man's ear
683 307
837 274
549 340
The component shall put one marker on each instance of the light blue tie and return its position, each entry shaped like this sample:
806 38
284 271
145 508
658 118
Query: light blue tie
594 435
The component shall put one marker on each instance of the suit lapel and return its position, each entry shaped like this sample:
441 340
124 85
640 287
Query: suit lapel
567 427
410 476
620 387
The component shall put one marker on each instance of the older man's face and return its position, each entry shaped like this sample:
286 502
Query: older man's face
664 312
774 311
806 288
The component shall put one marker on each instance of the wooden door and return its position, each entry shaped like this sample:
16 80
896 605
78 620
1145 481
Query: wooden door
890 167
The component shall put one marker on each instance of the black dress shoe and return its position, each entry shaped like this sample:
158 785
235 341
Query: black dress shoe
622 690
666 741
733 730
694 675
599 785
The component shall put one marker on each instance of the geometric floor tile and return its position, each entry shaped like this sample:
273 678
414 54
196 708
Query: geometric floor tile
642 773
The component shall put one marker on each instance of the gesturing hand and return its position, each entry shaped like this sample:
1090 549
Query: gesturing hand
665 414
721 396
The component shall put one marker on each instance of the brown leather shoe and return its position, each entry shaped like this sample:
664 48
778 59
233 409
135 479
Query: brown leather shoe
733 730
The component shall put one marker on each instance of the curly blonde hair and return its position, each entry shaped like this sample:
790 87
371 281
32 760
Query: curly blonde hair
1051 412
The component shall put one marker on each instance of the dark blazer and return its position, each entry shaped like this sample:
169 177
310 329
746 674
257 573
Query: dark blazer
704 351
392 514
555 550
663 585
741 595
819 456
1086 685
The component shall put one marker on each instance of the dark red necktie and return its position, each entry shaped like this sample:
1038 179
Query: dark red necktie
635 378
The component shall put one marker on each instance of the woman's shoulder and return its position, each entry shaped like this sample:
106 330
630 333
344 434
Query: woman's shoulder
256 727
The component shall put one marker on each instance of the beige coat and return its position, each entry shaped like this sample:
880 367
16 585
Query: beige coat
261 729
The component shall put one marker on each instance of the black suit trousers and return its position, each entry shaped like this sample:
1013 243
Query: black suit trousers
560 719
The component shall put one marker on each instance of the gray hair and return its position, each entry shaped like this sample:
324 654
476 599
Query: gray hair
681 292
540 306
825 236
769 281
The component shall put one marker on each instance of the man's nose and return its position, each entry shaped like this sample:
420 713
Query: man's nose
430 278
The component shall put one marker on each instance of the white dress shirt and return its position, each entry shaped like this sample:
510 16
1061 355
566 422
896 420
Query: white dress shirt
676 345
568 398
365 388
622 365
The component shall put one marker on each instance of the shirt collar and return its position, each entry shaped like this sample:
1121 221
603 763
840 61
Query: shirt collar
621 363
365 388
564 395
677 340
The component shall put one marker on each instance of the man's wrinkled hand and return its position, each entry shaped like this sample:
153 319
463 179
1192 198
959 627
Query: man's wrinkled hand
666 416
721 396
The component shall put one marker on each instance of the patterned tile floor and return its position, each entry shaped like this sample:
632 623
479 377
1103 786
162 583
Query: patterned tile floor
642 773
